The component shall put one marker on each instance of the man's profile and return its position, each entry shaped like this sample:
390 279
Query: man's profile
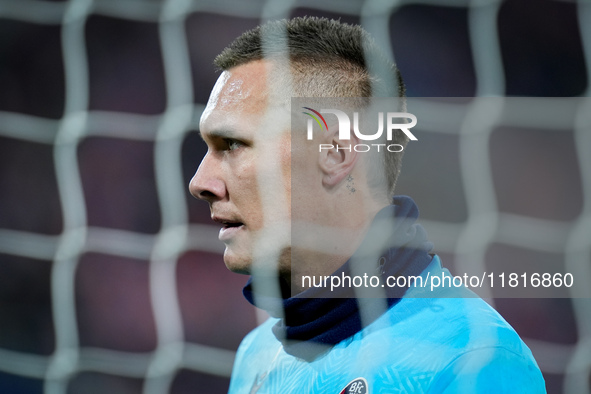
291 211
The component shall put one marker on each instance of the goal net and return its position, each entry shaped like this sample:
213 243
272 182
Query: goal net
111 277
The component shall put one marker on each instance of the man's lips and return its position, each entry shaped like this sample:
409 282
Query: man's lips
230 231
229 228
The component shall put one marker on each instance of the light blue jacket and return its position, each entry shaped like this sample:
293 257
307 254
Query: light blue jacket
421 345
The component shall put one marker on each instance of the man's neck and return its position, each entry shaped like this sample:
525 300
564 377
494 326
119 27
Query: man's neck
321 250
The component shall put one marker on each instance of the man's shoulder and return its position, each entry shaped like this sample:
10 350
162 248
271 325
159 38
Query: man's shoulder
447 342
443 329
457 345
256 352
454 319
261 338
457 342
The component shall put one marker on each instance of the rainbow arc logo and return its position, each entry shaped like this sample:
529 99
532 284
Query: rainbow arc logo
315 118
387 124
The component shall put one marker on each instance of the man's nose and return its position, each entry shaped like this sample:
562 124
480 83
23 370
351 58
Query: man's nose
207 183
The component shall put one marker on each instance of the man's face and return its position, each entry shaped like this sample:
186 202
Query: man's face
243 152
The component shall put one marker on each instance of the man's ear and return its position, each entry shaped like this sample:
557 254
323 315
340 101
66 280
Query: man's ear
337 162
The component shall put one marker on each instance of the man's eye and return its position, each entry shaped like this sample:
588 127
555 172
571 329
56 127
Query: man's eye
233 144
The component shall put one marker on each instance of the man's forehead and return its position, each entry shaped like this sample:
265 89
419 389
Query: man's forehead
240 90
243 94
246 82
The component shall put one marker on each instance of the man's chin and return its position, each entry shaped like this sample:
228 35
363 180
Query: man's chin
236 263
241 263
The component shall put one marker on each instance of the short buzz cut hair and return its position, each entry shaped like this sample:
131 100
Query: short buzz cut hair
327 59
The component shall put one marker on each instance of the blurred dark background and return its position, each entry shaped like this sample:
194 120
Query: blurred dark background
542 55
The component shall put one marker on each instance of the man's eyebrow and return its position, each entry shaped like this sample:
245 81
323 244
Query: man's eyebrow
218 133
